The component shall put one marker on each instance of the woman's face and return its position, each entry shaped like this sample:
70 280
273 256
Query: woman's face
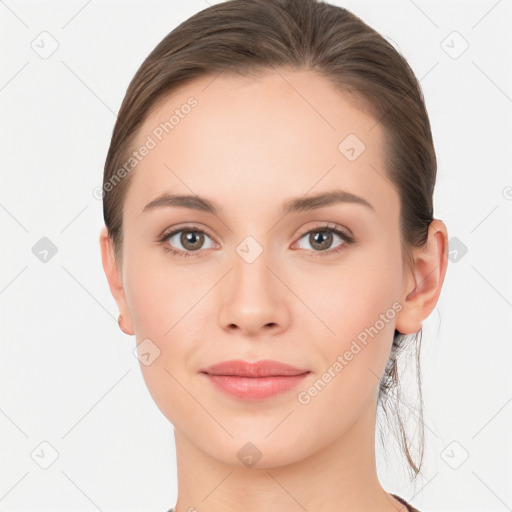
264 281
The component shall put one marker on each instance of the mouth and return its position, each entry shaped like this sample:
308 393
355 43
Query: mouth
254 381
265 368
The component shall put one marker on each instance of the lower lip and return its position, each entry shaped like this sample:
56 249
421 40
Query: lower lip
255 388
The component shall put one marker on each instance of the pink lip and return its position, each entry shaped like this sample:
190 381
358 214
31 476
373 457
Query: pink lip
254 381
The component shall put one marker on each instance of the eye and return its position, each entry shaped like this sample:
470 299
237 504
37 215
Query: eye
186 241
190 238
321 239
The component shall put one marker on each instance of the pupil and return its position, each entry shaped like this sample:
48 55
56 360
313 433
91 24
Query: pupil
321 236
191 238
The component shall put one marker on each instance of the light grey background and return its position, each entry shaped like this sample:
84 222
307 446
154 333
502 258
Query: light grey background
68 376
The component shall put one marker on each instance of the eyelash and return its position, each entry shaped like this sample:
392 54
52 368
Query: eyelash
324 228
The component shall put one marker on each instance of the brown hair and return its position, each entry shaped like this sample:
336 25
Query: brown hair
245 37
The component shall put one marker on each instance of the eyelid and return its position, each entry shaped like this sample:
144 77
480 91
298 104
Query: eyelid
326 224
167 232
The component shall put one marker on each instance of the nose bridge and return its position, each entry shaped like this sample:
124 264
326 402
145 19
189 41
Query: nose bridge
250 296
251 276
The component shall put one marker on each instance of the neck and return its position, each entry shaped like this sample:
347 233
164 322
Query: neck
341 477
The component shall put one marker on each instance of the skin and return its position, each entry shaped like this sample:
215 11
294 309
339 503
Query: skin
249 145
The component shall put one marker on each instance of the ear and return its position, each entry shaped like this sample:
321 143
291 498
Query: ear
423 283
114 278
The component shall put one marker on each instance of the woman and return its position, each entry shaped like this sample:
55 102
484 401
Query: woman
269 240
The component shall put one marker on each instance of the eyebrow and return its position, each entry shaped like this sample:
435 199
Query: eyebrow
300 204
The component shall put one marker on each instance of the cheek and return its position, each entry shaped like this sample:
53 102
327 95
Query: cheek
159 293
358 292
164 302
161 305
354 360
360 307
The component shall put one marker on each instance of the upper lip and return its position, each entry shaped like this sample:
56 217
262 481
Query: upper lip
263 368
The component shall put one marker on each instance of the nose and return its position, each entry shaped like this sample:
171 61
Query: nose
253 300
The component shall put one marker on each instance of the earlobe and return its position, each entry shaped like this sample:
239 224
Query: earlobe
114 278
425 280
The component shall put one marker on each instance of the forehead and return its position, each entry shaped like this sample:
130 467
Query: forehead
241 139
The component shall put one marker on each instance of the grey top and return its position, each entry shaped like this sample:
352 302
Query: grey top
401 500
410 508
